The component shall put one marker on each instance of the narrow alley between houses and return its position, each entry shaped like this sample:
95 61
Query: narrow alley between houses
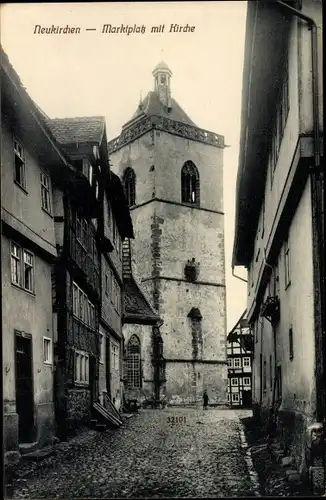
151 456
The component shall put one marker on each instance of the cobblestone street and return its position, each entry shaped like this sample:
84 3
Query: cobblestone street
149 457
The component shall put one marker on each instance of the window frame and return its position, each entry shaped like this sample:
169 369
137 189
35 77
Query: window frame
47 190
129 185
21 158
81 368
233 380
245 360
234 362
190 184
48 361
244 383
84 307
233 400
22 263
134 356
101 342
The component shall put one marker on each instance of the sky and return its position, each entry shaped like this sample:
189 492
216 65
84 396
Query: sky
94 73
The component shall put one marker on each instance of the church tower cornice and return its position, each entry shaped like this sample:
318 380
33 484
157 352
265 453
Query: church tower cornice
141 127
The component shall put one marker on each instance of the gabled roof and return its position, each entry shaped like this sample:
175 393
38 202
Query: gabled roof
237 325
137 308
83 129
151 105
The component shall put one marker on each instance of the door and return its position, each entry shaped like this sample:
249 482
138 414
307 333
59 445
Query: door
247 399
93 379
24 387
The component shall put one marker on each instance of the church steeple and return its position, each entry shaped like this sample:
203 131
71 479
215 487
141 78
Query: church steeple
162 75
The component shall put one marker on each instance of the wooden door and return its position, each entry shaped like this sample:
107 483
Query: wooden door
24 387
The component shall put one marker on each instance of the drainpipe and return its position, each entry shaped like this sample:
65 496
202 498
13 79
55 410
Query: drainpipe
238 277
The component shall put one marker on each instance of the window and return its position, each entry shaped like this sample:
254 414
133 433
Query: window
234 381
230 362
15 264
116 295
194 380
235 397
115 356
283 106
291 343
82 308
237 363
96 189
45 192
190 187
287 264
129 184
20 171
101 341
81 367
28 271
133 363
246 362
246 381
228 397
22 267
47 350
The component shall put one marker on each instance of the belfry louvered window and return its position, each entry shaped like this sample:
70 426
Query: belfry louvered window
190 187
129 183
133 363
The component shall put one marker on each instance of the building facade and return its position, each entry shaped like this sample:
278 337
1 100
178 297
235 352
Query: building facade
31 164
173 177
279 220
239 352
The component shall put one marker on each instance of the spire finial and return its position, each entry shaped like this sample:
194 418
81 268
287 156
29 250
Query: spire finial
140 105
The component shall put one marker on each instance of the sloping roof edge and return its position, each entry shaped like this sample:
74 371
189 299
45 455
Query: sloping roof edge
237 324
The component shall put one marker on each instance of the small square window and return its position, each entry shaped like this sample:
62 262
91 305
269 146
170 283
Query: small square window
237 363
234 381
47 350
246 381
246 362
235 397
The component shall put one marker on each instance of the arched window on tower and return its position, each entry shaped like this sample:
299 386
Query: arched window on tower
133 363
190 187
129 184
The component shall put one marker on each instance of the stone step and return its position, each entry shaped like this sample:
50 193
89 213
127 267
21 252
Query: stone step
27 447
38 455
100 427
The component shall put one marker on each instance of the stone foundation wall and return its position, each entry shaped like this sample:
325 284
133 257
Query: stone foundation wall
291 431
46 428
78 407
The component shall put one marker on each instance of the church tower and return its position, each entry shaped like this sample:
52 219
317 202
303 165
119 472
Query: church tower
172 173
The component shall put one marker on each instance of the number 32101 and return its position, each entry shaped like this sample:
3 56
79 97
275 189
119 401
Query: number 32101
176 420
